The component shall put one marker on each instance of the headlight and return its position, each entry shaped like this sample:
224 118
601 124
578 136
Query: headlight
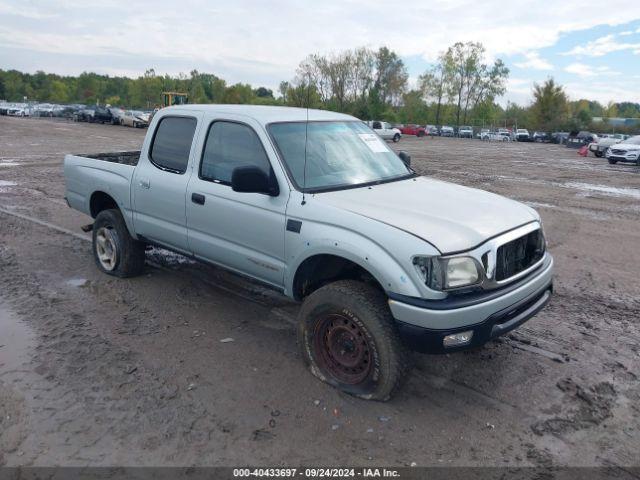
448 273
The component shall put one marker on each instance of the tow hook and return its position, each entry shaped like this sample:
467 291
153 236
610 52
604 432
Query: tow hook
87 228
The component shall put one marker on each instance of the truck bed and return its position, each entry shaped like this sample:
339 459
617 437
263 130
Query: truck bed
125 158
108 173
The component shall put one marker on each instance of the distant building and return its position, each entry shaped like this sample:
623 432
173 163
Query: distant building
617 121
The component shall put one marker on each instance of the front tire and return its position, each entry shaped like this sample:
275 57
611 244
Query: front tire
349 340
115 251
598 153
612 161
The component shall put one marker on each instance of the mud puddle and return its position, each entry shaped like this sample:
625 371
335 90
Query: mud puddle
16 339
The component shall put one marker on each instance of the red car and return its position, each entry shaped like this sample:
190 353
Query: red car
416 130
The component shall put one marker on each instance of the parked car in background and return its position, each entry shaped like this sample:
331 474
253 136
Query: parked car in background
135 119
482 132
385 131
600 147
446 131
559 137
465 132
116 115
580 139
413 129
540 137
67 111
43 110
505 132
522 135
84 114
19 111
625 151
101 115
495 136
382 260
432 130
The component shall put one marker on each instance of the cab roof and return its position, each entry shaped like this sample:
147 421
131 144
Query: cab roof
265 114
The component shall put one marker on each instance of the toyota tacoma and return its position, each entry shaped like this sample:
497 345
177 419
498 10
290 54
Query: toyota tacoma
316 205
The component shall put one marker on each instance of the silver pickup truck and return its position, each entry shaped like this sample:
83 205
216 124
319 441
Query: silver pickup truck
316 205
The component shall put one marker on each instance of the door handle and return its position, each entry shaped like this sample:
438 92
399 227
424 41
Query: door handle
145 183
197 198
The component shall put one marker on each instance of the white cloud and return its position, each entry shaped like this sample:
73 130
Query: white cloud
584 70
276 35
618 90
602 46
534 62
263 42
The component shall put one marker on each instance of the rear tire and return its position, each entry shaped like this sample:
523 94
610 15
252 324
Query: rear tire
396 138
115 251
598 153
349 340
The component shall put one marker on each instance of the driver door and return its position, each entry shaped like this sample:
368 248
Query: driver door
240 231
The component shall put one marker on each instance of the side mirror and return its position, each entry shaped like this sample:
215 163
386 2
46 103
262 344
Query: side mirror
253 180
405 157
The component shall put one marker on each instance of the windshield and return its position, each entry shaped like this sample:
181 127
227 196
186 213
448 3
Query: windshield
339 154
633 140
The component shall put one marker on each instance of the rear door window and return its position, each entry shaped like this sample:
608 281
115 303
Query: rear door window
172 143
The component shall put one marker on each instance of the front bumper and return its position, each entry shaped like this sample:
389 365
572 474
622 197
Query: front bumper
629 157
423 324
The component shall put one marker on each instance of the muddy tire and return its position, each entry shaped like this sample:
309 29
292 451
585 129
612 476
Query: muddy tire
349 340
115 251
612 161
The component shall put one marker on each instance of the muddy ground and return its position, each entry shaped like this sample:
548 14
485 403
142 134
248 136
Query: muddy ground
101 371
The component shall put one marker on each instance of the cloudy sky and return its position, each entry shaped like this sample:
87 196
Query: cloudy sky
591 47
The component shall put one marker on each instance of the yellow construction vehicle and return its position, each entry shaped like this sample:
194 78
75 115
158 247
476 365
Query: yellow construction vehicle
175 98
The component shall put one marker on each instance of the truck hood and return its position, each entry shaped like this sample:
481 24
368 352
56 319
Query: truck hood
451 217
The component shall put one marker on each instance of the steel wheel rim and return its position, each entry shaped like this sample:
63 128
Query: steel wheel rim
342 349
106 249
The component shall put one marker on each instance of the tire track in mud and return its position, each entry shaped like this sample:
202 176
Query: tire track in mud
70 355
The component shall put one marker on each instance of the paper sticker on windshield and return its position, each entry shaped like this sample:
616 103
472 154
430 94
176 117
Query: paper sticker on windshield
374 143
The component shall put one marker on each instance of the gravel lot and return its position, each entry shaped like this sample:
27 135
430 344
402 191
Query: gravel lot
101 371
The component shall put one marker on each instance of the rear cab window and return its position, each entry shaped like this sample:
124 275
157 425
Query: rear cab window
172 142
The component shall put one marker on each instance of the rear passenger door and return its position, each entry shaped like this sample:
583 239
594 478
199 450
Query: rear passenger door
160 183
241 231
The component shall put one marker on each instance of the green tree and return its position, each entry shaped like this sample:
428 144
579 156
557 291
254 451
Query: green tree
433 85
550 106
391 75
469 80
239 93
263 92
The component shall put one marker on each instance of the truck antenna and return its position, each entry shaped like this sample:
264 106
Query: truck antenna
306 137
